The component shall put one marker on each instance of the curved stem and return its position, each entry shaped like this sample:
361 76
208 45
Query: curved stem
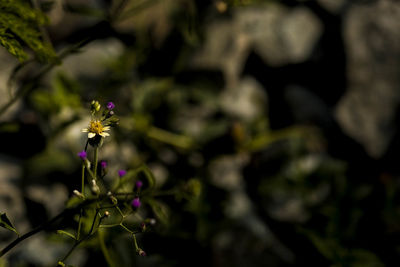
34 231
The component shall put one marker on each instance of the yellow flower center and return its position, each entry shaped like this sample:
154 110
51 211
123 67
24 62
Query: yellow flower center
96 127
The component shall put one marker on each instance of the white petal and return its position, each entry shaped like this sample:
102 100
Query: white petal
84 130
104 134
106 128
91 135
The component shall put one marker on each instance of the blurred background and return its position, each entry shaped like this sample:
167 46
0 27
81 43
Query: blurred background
286 111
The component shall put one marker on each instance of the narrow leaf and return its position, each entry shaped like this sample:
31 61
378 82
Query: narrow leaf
62 232
6 223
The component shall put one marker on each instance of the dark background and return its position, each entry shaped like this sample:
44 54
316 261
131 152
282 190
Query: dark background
286 111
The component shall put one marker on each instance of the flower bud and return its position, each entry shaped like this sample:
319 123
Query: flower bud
136 203
141 252
110 105
103 164
113 199
121 173
95 188
143 226
87 164
152 221
139 184
95 106
78 194
106 213
82 155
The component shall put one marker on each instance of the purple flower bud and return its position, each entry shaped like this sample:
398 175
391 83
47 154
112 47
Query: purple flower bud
103 164
136 203
121 173
82 154
110 105
139 184
143 226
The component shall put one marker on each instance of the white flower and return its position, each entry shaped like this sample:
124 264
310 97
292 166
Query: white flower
96 128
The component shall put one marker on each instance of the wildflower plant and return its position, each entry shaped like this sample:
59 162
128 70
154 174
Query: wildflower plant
98 205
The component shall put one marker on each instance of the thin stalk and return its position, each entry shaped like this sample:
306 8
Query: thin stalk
104 249
135 242
83 180
96 158
77 243
78 234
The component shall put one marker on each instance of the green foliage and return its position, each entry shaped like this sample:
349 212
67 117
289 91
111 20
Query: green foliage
20 24
6 223
64 93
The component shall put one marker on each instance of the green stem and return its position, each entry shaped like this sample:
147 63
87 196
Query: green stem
83 180
77 243
135 242
96 158
104 249
78 234
31 233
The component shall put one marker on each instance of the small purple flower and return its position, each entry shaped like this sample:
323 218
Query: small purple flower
103 164
82 154
139 184
136 203
110 105
121 173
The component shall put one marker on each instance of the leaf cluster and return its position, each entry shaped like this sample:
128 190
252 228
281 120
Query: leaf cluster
20 25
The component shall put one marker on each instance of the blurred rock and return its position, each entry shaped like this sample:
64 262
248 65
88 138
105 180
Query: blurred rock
367 111
226 171
333 6
52 197
11 201
249 242
280 35
7 64
247 100
225 48
41 252
287 208
91 60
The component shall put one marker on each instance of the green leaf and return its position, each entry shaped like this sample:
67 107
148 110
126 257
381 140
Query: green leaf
62 232
160 210
149 176
13 47
6 223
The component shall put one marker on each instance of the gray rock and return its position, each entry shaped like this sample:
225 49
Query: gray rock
7 63
52 197
226 171
90 62
280 35
11 201
372 39
333 6
246 101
